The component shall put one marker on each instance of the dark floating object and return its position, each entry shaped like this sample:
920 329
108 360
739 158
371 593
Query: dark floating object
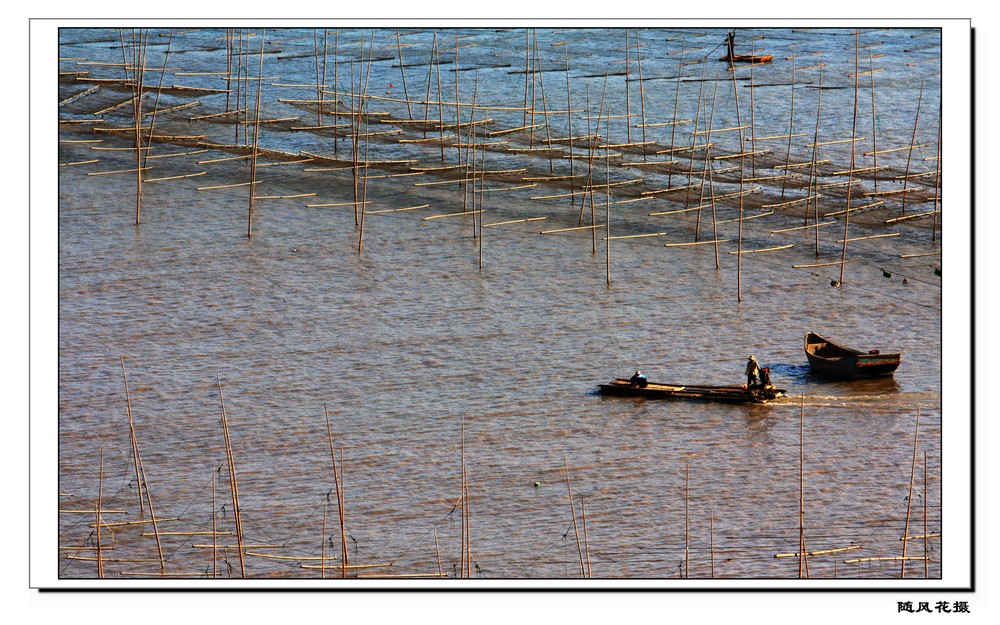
732 394
834 282
886 274
843 362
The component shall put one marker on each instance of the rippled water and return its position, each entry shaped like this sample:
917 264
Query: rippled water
409 342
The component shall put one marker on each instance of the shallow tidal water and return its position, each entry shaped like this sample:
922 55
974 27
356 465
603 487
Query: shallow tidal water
425 361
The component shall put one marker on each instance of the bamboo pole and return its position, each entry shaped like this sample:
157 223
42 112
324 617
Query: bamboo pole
926 534
850 186
677 94
340 495
233 483
576 529
100 497
687 489
791 124
913 140
131 430
909 497
803 561
739 123
871 68
215 535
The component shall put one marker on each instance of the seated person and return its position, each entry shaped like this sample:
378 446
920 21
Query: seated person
765 377
638 380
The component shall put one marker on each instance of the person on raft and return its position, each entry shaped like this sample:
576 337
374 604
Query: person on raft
638 379
752 370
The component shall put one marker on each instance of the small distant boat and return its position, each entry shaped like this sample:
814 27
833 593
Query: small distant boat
843 362
730 394
732 57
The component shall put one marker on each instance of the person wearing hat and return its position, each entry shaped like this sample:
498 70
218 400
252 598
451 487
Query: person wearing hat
752 369
638 379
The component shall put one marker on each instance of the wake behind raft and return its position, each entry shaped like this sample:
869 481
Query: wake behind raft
637 386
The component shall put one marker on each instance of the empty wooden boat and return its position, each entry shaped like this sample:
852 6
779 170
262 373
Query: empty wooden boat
829 358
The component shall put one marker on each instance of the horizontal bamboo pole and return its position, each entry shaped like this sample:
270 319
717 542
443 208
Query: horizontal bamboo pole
765 178
514 221
844 183
350 566
938 253
797 165
535 150
696 243
497 133
195 533
402 576
766 249
514 188
888 150
443 168
172 108
121 171
737 194
451 215
921 536
635 144
90 162
670 189
175 155
634 236
397 210
922 174
124 523
898 219
103 511
575 228
758 216
620 183
88 547
106 149
229 186
159 574
336 204
855 209
679 210
200 173
272 556
284 197
859 170
61 141
647 163
705 132
635 199
241 157
685 148
798 134
671 123
839 141
558 195
851 260
404 175
817 553
791 202
94 559
585 157
892 192
437 182
740 155
872 236
549 178
886 559
824 223
236 546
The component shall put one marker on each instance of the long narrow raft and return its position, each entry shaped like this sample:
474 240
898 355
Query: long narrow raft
732 394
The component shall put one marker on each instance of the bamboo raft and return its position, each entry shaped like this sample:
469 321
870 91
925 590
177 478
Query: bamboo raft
732 394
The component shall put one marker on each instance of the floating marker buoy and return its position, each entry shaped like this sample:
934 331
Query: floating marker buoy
886 274
537 484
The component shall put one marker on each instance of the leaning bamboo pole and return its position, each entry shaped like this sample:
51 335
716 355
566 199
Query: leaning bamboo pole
132 437
233 482
576 528
909 497
256 138
803 559
913 140
926 534
100 497
739 124
813 190
850 184
687 541
791 128
340 495
673 126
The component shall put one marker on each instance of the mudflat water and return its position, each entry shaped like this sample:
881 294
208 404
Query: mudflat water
446 342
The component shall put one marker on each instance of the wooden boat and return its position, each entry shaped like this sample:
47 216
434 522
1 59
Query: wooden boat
843 362
748 58
732 57
655 390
